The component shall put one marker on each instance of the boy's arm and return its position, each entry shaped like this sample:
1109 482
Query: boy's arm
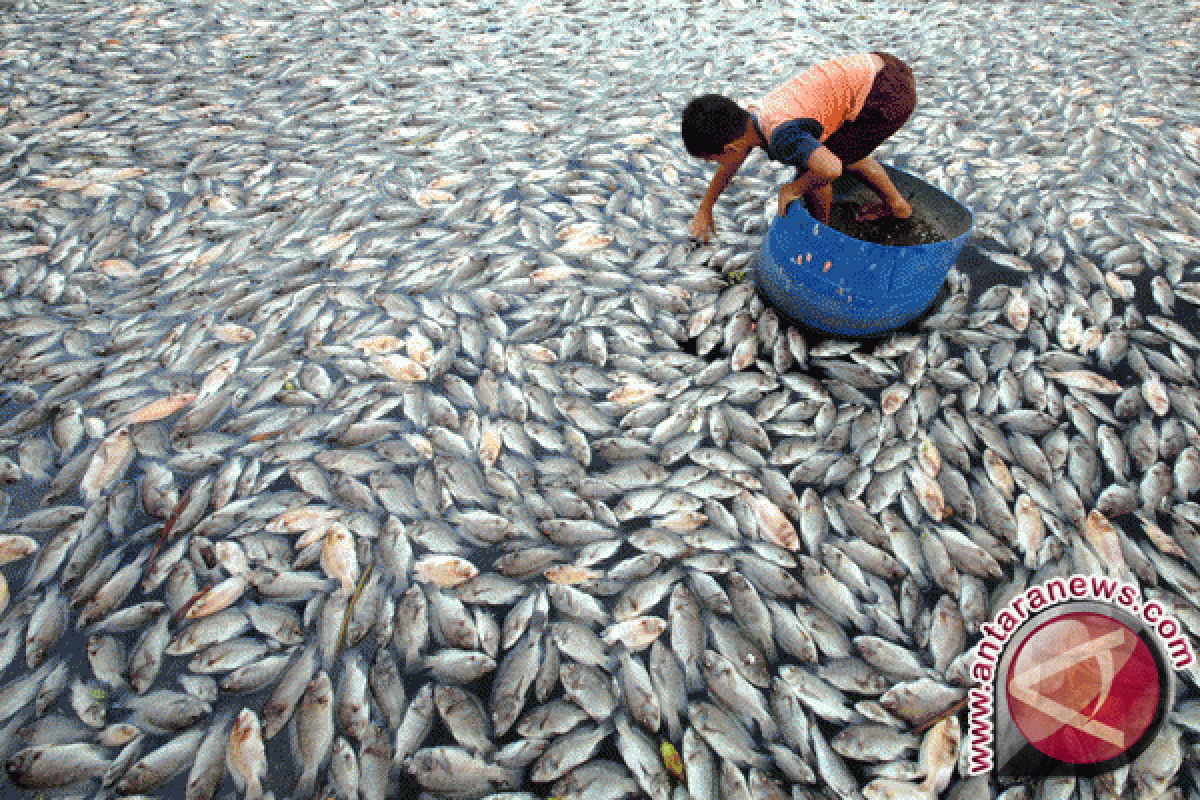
702 223
823 168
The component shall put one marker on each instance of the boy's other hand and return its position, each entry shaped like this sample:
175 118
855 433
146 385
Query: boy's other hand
702 225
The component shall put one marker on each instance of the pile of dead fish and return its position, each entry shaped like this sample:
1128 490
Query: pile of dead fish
371 428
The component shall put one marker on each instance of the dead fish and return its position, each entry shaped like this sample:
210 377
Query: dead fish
159 766
109 463
55 766
245 755
453 770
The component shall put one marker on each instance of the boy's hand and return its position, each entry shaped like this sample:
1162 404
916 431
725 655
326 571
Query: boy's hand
702 225
788 193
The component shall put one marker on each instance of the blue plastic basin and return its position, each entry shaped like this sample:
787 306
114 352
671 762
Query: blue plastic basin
829 281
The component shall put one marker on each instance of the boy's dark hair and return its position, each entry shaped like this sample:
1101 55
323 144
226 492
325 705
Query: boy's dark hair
710 122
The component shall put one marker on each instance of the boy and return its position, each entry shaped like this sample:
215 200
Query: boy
830 117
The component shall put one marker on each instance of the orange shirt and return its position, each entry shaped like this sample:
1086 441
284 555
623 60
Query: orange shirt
831 93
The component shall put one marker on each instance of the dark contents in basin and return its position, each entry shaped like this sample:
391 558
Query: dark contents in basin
888 230
925 226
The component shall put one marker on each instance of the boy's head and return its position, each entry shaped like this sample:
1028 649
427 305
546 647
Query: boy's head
710 122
